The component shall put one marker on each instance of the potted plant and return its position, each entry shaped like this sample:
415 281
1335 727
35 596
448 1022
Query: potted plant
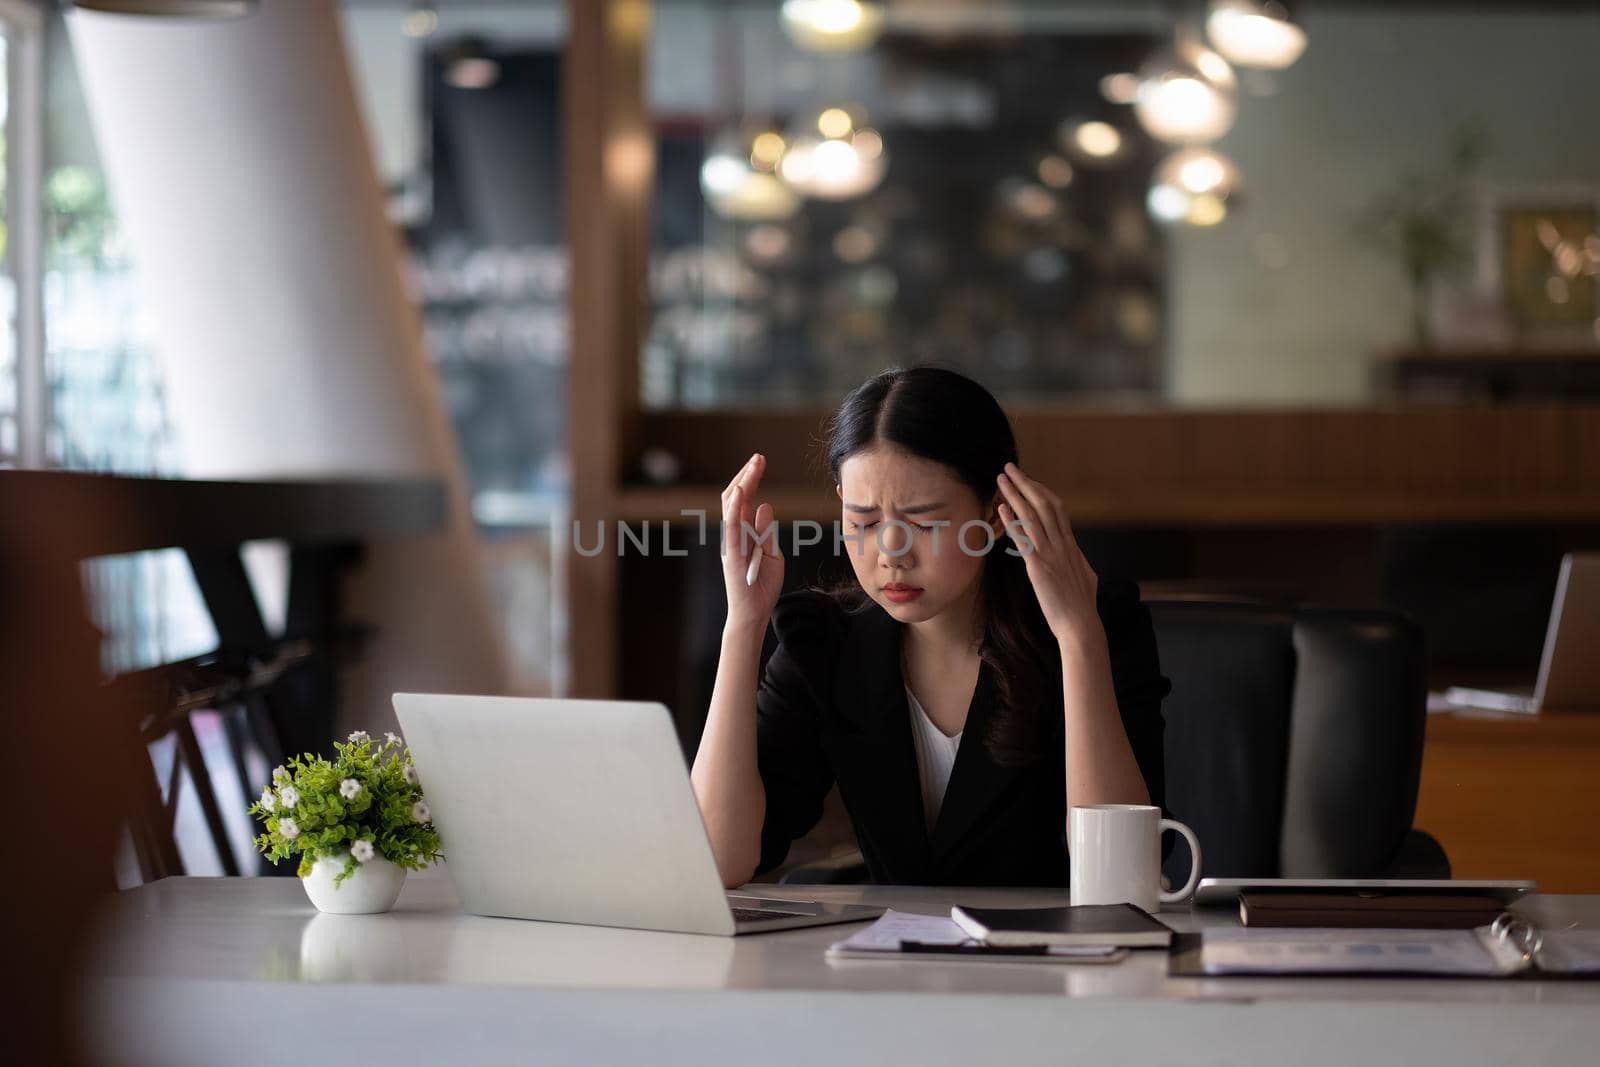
358 823
1425 223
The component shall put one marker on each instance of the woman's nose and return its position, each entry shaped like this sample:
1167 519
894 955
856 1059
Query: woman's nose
895 545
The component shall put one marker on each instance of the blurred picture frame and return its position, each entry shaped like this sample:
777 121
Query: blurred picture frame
1539 258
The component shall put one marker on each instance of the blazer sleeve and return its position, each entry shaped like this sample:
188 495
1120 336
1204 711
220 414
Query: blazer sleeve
790 700
1139 685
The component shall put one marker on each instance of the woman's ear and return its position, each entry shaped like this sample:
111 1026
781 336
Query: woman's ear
838 490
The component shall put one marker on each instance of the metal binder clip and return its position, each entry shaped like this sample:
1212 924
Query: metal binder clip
1519 934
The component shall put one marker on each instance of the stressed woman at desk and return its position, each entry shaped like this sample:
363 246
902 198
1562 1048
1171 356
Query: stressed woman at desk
972 681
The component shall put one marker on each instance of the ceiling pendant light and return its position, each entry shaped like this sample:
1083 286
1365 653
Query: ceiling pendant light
1255 33
738 182
193 9
1187 93
832 25
1092 143
1193 186
835 157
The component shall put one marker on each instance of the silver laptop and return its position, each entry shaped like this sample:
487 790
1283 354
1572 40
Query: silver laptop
579 811
1569 672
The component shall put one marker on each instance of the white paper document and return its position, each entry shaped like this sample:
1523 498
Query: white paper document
1340 951
888 935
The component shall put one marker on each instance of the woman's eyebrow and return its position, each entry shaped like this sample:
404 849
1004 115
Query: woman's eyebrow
914 509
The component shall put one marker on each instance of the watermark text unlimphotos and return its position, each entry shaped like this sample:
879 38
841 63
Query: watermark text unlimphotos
973 538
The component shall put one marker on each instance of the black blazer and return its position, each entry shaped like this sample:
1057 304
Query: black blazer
831 706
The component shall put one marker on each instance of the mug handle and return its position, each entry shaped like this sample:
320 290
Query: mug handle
1194 861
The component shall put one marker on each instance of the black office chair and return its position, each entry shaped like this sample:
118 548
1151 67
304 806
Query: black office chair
1294 740
1293 743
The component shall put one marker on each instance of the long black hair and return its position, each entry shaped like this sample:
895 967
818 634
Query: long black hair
950 419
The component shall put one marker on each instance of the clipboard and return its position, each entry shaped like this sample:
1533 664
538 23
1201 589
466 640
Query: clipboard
1508 947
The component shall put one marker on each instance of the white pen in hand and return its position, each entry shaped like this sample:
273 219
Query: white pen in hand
754 568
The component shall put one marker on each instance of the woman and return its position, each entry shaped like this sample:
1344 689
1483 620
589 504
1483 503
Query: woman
962 698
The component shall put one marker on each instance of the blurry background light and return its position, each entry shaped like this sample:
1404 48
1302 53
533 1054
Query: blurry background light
1199 170
832 25
1255 33
855 244
736 190
1092 142
420 21
1031 201
1187 94
1055 172
1193 186
834 122
472 72
1120 88
868 144
834 167
468 64
766 149
1207 210
767 242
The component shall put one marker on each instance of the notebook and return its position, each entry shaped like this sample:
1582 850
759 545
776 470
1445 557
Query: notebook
1370 908
905 935
1085 924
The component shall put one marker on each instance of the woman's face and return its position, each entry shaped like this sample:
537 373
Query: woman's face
902 516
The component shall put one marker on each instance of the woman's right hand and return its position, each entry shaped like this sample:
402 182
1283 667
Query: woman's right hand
749 604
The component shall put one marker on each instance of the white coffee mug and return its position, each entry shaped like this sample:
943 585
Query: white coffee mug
1115 855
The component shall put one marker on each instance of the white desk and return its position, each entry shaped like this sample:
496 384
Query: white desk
226 971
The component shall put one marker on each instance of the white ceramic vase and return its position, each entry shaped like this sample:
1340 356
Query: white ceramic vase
373 887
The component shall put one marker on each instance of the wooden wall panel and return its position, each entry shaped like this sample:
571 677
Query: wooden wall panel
608 167
1533 462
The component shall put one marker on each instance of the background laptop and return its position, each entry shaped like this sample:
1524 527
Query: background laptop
1569 672
579 811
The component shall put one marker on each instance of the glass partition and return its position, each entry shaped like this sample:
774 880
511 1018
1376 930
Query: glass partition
1175 204
952 188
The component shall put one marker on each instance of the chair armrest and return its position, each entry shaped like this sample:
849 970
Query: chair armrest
1419 856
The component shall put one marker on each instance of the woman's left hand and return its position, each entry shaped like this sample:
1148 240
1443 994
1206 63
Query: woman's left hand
1062 578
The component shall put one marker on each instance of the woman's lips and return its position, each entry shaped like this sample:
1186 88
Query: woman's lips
901 594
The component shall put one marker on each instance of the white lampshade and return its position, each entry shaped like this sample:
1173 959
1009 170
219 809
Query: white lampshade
840 167
832 25
1092 143
1187 94
737 190
1193 186
1253 33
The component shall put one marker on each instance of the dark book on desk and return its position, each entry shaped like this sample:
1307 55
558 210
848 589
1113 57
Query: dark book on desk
1086 924
1369 909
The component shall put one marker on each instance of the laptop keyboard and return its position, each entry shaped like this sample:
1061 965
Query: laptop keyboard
744 915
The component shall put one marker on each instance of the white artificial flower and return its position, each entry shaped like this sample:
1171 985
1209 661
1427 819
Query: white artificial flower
290 796
349 788
268 801
360 737
420 812
279 773
362 851
391 737
410 772
288 829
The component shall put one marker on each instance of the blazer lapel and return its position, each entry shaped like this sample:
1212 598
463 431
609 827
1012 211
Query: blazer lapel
876 767
976 780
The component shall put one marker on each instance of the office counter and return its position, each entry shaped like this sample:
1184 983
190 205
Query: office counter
233 971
